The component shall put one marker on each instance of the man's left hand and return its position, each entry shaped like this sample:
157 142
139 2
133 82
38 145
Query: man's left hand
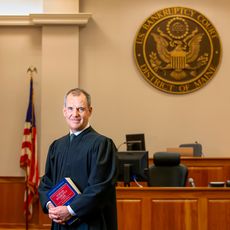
59 214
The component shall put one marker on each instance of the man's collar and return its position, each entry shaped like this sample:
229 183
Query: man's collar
78 132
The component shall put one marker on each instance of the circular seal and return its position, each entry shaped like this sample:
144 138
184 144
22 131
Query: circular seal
177 50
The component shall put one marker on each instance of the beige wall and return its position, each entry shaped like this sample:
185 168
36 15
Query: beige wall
19 48
123 101
54 51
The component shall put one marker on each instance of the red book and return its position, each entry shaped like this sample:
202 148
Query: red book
63 193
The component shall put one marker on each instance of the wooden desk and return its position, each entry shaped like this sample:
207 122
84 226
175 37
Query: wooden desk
206 169
173 208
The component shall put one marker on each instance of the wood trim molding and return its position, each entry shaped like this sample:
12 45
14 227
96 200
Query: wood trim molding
79 19
11 179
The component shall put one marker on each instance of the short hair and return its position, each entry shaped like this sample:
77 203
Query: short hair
78 92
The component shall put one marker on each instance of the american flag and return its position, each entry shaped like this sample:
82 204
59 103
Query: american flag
28 158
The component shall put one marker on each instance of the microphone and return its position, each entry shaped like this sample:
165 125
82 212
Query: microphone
191 182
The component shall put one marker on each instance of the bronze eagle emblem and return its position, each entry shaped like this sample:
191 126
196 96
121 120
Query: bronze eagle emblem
178 55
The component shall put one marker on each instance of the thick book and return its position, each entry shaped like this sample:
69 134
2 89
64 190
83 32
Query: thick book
63 193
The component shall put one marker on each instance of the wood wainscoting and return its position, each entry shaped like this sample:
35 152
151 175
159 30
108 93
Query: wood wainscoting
12 213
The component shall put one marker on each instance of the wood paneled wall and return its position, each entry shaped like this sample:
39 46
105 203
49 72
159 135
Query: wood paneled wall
12 201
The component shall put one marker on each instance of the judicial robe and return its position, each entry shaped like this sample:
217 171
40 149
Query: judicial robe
89 160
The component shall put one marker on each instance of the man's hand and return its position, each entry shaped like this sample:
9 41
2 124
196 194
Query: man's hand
59 214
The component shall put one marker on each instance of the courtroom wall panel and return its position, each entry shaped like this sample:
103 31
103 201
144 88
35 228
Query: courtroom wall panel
12 201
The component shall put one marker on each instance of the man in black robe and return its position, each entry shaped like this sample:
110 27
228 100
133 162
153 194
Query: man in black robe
89 160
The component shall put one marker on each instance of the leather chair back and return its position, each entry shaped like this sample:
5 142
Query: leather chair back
167 171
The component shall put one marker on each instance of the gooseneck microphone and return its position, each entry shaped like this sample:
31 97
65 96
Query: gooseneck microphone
191 182
128 143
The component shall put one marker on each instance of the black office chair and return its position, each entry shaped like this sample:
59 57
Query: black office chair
167 171
197 148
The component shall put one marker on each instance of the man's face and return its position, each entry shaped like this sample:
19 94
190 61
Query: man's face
77 112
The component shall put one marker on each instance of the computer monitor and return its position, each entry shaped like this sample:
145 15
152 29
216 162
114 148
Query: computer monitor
131 165
135 142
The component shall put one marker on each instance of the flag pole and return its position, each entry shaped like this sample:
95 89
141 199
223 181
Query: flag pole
27 203
30 71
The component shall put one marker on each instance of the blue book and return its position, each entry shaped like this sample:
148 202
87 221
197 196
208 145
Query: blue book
63 193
